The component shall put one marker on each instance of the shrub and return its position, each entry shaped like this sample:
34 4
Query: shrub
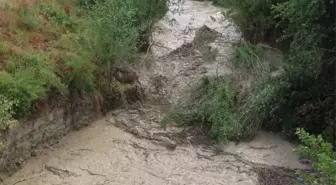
6 113
254 18
114 29
27 18
87 3
257 107
25 79
105 33
58 15
303 94
78 74
22 87
117 26
253 59
4 47
210 103
323 157
308 96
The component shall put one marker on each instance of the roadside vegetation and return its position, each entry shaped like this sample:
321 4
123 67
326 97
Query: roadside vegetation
66 47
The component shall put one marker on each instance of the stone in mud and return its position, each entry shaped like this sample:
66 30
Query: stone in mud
134 93
165 142
125 75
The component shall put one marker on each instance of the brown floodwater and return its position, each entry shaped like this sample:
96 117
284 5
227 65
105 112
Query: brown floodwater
129 147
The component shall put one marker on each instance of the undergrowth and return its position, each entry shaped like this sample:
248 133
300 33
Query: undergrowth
302 94
257 60
323 158
209 103
64 47
254 18
118 26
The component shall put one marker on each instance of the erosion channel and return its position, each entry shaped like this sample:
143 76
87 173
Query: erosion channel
129 146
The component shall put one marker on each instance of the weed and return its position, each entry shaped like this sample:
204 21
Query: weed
4 47
59 15
6 113
253 59
26 79
116 34
6 4
303 94
87 3
322 155
117 26
78 74
27 19
254 19
107 31
256 109
210 104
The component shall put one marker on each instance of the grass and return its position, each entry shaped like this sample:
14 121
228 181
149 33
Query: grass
257 60
64 46
210 103
27 18
228 108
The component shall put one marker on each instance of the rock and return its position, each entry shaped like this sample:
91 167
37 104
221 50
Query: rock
125 75
33 153
212 18
164 141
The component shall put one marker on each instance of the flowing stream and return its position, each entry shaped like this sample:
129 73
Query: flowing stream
128 146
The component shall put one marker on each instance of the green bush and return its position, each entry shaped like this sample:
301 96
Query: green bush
6 113
323 157
88 3
78 74
26 78
27 18
303 95
22 87
117 25
253 60
211 104
104 34
58 15
113 25
254 18
257 107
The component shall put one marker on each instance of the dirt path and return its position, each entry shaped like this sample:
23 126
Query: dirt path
128 146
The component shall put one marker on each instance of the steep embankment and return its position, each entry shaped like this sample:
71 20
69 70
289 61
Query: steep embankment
130 147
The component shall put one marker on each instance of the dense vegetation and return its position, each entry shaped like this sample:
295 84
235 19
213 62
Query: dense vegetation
65 47
211 104
302 94
321 153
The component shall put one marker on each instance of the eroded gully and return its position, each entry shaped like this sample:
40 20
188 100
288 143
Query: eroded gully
128 146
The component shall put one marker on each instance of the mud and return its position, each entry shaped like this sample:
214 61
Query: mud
35 134
129 146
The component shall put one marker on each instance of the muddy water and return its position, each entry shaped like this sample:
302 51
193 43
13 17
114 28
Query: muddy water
185 17
128 147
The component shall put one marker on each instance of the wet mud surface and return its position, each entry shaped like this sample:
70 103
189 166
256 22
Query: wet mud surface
130 147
